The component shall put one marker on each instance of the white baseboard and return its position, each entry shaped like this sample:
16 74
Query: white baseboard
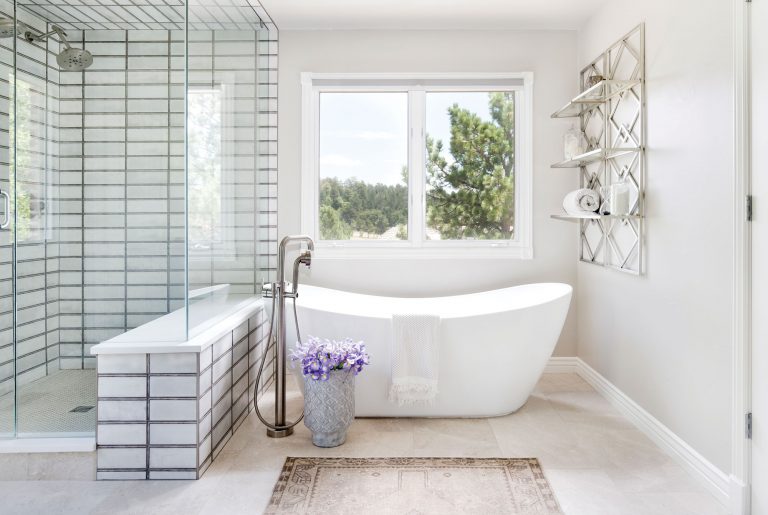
715 480
562 365
739 497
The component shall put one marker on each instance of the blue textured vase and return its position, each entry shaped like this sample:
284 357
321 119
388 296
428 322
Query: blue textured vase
329 408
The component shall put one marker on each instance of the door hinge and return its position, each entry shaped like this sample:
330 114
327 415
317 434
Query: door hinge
749 208
748 426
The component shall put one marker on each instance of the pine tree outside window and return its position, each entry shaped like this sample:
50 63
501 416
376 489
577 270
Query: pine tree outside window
427 165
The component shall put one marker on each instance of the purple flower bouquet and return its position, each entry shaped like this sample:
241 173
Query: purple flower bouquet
329 369
319 357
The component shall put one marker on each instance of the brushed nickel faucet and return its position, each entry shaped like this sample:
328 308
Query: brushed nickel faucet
278 292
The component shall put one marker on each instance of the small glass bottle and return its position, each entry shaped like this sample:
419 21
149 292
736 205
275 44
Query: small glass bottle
620 198
605 200
572 143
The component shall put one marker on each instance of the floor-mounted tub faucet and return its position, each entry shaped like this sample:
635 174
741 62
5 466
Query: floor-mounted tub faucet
278 292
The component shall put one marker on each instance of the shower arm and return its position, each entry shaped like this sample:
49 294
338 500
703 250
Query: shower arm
55 29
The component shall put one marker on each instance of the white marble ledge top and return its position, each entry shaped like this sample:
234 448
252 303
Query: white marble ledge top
212 318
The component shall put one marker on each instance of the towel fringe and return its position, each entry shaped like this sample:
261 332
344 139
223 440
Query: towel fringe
409 394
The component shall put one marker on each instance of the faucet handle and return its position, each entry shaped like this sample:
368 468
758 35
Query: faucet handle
268 289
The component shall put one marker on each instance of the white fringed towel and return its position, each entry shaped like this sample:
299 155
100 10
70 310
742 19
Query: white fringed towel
581 201
415 359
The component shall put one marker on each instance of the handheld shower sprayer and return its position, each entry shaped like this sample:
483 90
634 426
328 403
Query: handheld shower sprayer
278 292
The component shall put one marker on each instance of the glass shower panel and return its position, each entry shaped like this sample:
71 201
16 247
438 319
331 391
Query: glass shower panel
7 377
55 387
222 162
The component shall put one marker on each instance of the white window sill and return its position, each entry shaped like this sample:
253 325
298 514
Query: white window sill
326 251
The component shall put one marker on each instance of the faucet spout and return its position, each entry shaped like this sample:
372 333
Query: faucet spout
284 243
305 258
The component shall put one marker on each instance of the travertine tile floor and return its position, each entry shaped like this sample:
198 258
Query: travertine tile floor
596 461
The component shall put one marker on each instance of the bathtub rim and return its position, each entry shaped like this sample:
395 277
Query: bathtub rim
566 291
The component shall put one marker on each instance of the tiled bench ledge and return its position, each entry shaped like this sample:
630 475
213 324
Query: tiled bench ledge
166 409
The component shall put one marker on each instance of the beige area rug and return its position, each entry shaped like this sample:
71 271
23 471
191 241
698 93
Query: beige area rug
413 486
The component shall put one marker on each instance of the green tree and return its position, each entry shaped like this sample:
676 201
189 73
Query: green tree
473 195
332 227
352 205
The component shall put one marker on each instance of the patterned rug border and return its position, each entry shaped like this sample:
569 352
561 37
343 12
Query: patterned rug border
292 462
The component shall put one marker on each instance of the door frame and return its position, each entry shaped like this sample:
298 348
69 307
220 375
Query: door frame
741 448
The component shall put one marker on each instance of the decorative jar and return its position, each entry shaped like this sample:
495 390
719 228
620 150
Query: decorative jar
329 407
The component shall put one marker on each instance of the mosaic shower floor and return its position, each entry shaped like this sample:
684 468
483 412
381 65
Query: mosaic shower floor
45 405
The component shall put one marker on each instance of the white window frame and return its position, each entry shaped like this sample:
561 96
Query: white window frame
416 86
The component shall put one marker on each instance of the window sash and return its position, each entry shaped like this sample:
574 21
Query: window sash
417 88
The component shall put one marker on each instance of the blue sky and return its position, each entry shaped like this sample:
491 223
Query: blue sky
364 135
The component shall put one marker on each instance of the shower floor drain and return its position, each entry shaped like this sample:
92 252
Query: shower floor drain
81 409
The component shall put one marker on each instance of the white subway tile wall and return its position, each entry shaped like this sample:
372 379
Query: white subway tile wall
169 420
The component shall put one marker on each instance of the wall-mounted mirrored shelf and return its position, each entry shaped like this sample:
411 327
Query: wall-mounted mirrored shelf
594 96
593 216
597 154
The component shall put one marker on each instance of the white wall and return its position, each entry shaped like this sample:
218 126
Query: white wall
664 339
551 55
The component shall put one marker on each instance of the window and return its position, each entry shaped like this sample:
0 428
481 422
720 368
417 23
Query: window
210 182
432 165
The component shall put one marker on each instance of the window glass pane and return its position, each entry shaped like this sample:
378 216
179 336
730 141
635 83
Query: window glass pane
470 165
363 166
205 159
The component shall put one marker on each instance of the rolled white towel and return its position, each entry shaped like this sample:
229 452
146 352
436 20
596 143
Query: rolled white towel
581 201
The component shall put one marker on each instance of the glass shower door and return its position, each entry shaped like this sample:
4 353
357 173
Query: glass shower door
39 396
55 388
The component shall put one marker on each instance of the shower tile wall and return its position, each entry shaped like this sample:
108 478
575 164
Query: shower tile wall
36 172
122 149
122 157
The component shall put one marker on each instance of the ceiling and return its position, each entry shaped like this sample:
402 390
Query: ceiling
430 14
150 14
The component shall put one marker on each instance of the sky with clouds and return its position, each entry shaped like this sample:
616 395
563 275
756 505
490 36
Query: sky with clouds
365 135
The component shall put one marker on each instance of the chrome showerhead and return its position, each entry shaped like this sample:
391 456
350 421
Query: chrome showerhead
70 59
74 59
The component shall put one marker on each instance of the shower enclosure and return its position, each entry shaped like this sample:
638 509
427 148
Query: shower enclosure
138 170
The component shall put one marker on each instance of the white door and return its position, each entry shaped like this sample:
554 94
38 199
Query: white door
760 257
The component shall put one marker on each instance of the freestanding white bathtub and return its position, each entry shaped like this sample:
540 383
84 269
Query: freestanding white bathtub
494 345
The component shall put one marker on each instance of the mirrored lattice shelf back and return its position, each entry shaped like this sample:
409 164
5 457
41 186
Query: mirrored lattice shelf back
151 14
611 114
